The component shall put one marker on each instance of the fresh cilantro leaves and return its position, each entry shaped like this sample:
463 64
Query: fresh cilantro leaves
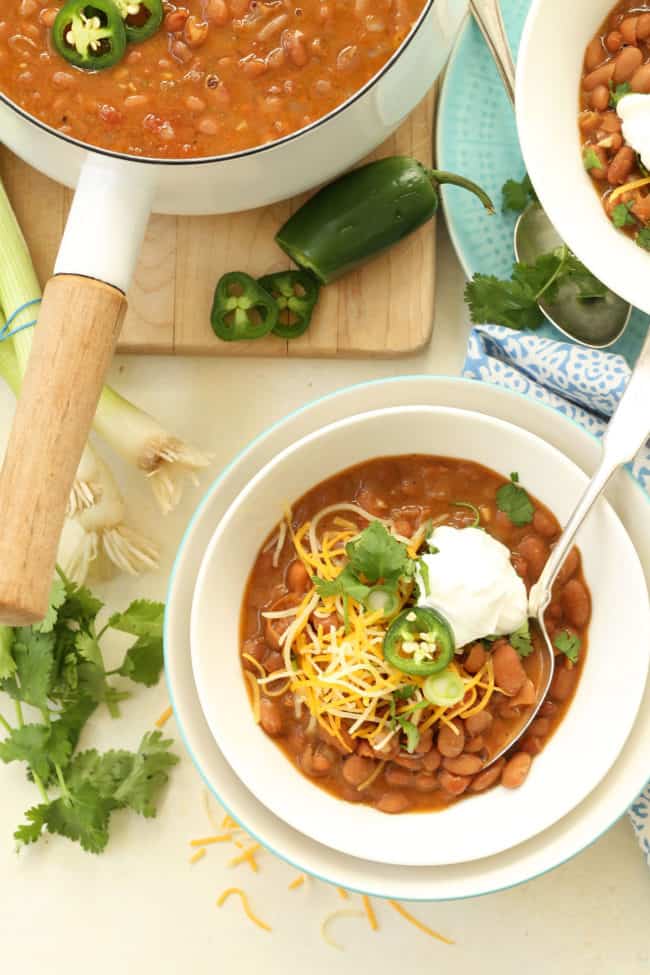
513 500
401 720
643 238
517 195
568 643
622 215
521 641
57 666
514 303
616 93
374 556
590 159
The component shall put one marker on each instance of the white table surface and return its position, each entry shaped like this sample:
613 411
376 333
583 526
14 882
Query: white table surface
141 908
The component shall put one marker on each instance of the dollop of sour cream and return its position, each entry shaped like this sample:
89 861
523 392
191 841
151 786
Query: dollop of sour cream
473 584
634 112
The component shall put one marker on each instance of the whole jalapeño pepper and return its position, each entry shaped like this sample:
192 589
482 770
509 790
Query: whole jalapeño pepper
365 212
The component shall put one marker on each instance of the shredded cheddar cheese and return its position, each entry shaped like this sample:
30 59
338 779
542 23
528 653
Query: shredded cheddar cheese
248 856
209 840
164 717
419 924
325 926
247 908
343 894
200 853
298 882
370 912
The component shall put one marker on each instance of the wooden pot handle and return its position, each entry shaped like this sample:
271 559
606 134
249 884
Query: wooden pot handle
78 327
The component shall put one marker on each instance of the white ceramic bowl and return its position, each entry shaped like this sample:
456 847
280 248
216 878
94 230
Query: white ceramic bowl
567 770
549 67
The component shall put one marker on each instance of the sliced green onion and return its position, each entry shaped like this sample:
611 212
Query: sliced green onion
444 689
384 598
470 507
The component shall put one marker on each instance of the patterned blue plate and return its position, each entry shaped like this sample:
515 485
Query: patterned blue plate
477 136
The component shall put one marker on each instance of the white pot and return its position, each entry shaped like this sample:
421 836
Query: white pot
84 305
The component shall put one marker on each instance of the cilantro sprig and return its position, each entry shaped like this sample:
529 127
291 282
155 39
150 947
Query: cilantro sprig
57 667
616 93
514 501
521 640
569 644
514 302
373 557
516 195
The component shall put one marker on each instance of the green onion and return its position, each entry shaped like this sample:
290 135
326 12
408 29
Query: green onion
95 525
470 507
165 461
444 689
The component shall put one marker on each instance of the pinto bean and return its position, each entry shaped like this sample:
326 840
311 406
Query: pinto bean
576 603
569 566
455 785
643 27
451 743
627 30
475 658
317 760
626 63
594 55
403 527
516 769
274 661
256 648
475 745
463 765
640 80
394 775
535 550
526 696
425 743
614 41
563 683
509 672
431 761
411 762
271 717
531 745
599 98
621 166
601 76
476 724
356 769
544 522
175 20
548 709
425 782
389 750
297 578
540 727
488 777
393 802
345 747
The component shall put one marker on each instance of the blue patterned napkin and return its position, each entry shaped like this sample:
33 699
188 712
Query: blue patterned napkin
583 384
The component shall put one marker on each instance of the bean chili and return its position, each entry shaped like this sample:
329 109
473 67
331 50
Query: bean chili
407 492
616 62
219 76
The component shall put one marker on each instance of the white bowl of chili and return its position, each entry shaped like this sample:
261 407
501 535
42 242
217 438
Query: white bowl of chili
561 776
550 66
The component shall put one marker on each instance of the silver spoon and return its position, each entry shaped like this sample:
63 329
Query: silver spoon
626 433
595 323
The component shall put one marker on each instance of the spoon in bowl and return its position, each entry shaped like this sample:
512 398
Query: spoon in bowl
596 323
626 433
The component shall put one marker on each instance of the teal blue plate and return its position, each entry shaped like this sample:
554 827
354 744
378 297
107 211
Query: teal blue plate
477 136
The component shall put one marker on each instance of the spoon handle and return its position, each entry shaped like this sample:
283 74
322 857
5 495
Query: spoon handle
626 433
487 14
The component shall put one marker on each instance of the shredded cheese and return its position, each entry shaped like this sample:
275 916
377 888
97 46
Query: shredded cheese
370 912
164 717
348 912
419 924
200 853
248 856
209 840
627 188
247 908
298 882
343 894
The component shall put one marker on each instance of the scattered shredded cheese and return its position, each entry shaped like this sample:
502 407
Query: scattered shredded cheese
627 188
247 908
209 840
248 856
419 924
298 882
343 894
164 717
324 930
370 912
200 853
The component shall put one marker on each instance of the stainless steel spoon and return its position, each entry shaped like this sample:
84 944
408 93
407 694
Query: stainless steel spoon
626 433
596 323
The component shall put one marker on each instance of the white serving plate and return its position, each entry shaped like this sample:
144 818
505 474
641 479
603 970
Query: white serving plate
555 845
561 776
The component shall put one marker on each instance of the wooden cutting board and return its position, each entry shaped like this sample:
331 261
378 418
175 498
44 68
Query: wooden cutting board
384 309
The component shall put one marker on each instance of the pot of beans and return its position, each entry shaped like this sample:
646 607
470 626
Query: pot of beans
364 655
583 117
199 106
